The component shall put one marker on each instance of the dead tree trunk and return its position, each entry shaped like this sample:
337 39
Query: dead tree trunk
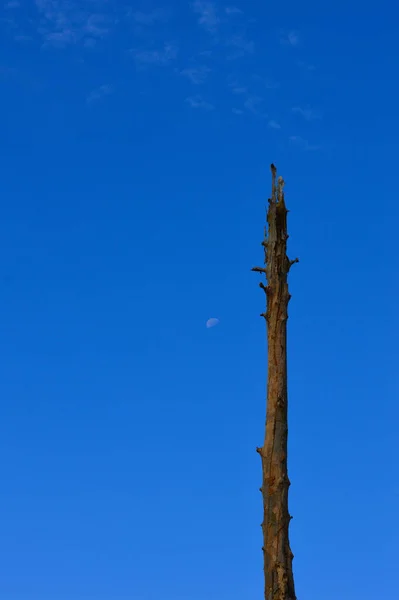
279 580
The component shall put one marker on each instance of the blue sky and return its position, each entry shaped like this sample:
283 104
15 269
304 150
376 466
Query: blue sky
135 147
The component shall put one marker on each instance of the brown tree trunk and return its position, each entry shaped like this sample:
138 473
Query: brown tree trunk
279 580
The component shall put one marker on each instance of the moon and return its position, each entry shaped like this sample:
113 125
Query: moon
212 323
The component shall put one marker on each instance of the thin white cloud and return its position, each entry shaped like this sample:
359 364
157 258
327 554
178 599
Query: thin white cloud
240 45
302 143
205 53
98 93
236 87
273 124
211 323
20 37
232 10
306 66
307 113
239 90
196 75
266 83
199 102
253 104
66 22
161 57
291 38
237 111
149 18
97 26
207 15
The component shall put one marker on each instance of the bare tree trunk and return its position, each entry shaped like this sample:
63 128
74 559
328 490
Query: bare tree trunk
279 580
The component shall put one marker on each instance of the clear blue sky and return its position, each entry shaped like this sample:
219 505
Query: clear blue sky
135 147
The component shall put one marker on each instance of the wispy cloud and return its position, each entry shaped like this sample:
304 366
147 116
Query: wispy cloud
151 17
239 90
252 102
199 102
236 87
207 14
205 53
196 75
240 45
98 93
21 37
307 113
157 57
267 84
291 38
254 105
65 22
237 111
232 10
60 38
274 125
306 66
97 26
302 143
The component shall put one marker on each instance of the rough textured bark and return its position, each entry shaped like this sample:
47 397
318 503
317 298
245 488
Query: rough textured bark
279 580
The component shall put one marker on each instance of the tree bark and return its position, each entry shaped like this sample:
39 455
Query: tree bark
279 580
